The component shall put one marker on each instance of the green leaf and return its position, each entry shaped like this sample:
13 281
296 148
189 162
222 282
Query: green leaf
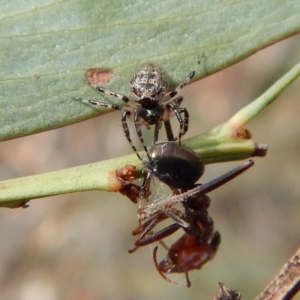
46 47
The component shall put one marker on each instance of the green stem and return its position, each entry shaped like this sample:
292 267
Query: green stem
250 111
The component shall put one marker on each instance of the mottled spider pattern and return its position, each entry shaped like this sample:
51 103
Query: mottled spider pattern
151 104
148 84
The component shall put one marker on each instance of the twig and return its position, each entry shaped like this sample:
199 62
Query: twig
286 284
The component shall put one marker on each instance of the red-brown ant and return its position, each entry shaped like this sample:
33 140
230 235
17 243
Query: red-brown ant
197 246
199 243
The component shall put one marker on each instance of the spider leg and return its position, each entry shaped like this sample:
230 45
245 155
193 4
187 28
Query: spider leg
124 117
174 92
170 136
104 104
139 132
185 125
169 131
99 103
156 131
112 93
184 122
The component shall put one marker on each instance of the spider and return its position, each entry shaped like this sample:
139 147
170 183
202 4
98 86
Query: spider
152 104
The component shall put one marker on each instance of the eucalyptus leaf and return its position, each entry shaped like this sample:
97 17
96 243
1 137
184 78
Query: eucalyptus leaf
46 48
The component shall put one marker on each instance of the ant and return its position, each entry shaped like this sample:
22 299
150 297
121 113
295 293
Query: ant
152 103
197 246
200 242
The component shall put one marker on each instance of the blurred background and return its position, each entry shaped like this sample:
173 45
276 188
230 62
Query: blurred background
75 246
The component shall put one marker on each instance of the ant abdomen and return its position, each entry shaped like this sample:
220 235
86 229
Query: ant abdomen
175 165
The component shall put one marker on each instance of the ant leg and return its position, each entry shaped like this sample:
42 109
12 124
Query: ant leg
125 115
112 93
187 284
217 182
154 220
164 245
146 228
158 235
178 219
199 190
174 92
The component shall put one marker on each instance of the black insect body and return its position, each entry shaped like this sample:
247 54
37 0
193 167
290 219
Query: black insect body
152 103
175 165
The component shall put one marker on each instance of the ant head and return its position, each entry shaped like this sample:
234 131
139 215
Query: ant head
148 84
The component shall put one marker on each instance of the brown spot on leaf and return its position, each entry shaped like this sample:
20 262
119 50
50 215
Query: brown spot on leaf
99 76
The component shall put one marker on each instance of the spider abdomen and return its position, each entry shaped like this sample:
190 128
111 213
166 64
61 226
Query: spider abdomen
149 83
